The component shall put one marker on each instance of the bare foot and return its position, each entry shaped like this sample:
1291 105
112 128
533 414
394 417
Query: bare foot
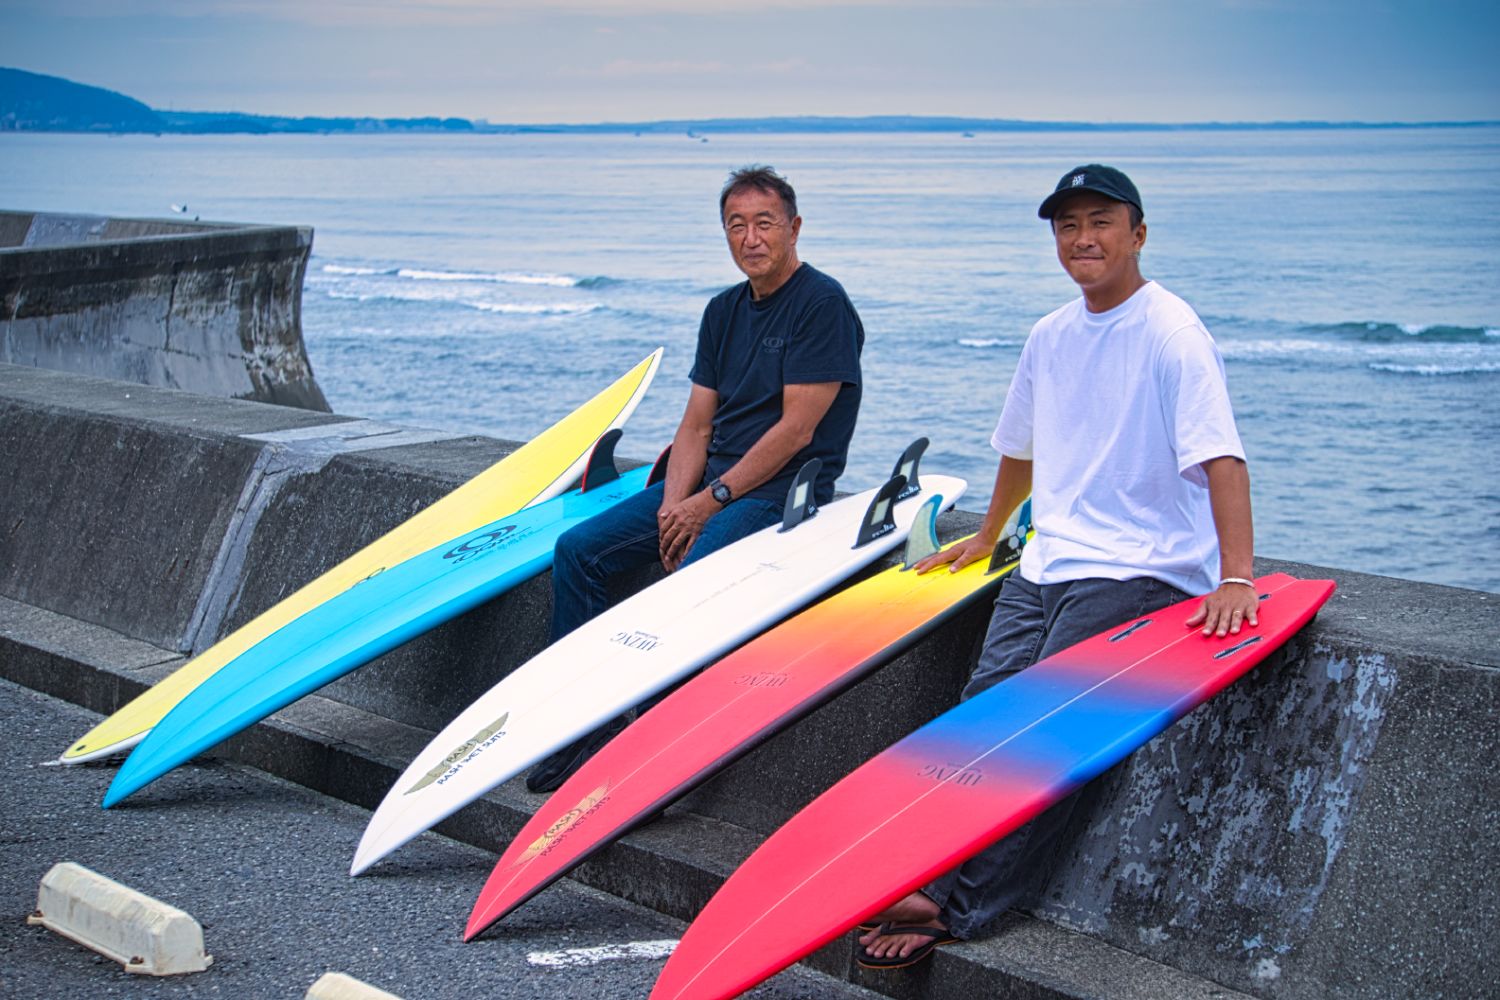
916 910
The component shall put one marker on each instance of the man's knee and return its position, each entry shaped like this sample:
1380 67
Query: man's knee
571 553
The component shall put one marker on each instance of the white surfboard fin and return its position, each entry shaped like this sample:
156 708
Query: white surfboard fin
923 540
880 516
659 470
906 467
1012 538
799 497
601 468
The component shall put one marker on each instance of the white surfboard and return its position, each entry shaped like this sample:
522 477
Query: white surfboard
647 642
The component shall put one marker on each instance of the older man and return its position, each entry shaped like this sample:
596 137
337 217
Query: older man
776 382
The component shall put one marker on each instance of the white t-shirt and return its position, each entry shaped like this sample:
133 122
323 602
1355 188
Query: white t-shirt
1117 410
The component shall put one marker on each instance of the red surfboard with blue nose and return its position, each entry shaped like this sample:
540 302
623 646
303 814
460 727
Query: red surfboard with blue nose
963 781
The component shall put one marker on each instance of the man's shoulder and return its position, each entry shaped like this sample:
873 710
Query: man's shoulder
729 296
1167 309
816 283
1060 318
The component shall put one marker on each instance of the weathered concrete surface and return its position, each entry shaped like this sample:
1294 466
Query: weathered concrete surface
212 308
1324 828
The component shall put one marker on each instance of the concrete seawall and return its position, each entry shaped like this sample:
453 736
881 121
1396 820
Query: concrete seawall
1326 827
212 308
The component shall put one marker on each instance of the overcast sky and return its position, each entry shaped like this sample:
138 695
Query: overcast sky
612 60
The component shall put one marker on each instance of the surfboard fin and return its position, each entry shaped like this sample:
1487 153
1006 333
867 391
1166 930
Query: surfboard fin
880 516
1012 538
923 540
906 466
799 498
601 468
659 470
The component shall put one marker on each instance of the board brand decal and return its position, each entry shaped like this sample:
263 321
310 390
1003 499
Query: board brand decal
636 640
481 543
764 679
465 752
1221 654
957 774
567 821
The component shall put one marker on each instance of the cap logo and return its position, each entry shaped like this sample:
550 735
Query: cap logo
1078 180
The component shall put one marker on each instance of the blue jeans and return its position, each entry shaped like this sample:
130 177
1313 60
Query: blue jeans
625 538
1030 623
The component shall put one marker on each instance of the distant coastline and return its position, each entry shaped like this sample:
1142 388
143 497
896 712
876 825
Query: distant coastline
33 102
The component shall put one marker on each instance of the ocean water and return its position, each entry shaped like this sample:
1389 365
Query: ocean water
490 283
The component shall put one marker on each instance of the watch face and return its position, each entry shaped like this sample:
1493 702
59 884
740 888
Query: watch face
721 492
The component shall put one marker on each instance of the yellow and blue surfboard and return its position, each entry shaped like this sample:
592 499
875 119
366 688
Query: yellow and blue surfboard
539 470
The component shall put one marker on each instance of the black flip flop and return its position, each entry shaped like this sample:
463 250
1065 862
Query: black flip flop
938 935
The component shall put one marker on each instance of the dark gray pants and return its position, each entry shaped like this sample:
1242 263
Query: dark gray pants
1030 623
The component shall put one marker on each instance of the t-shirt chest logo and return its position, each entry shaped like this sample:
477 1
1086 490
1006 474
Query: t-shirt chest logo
772 345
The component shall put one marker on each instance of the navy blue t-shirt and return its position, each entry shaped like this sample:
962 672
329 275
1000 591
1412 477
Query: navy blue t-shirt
803 333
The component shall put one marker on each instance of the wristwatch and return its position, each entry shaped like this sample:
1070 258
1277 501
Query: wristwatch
720 492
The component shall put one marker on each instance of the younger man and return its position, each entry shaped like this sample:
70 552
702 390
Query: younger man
1118 425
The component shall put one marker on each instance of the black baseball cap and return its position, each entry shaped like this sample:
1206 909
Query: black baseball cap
1107 181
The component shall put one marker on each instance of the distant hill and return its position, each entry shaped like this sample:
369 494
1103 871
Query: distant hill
31 101
232 121
34 102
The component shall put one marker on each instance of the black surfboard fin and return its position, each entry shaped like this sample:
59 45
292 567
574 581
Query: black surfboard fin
880 516
923 540
799 496
659 470
906 467
601 468
1012 538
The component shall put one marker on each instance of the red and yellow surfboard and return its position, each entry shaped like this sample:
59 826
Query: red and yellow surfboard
732 707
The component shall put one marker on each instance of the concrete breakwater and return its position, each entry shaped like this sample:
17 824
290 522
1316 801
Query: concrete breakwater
1326 827
213 308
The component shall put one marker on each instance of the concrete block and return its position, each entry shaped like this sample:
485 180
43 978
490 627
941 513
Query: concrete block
339 986
112 522
212 308
142 934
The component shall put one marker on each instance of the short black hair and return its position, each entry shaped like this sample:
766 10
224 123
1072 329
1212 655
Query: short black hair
759 178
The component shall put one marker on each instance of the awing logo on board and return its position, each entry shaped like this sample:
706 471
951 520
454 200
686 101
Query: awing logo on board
763 679
643 641
463 754
564 823
479 544
957 774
